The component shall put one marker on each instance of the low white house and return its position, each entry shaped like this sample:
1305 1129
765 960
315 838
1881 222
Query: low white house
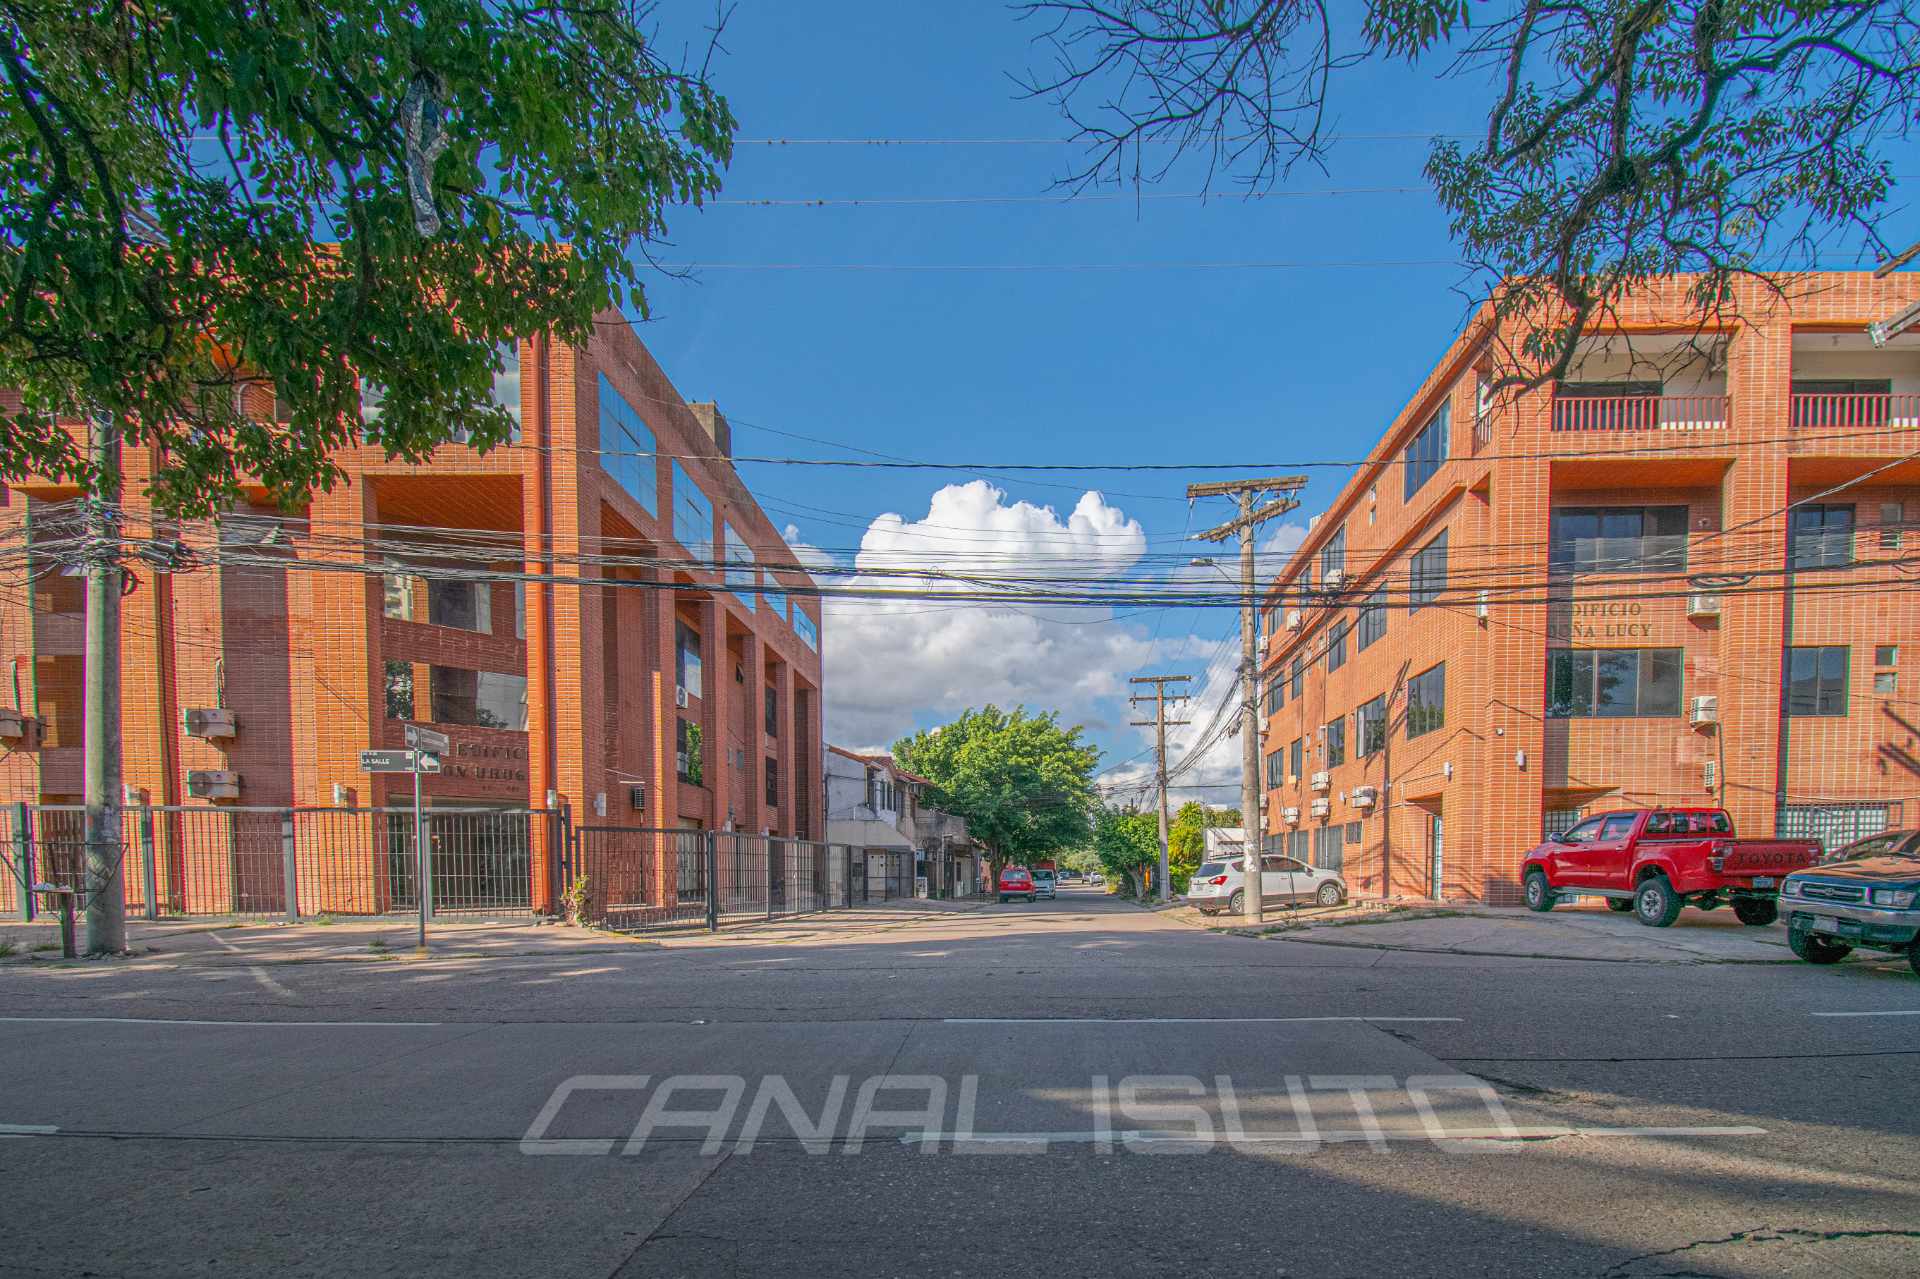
907 847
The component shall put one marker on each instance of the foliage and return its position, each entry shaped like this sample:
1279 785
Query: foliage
1624 139
208 233
576 902
1128 845
1023 782
1081 861
1187 839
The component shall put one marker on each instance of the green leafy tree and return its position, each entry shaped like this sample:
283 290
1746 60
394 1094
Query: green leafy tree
1081 861
1023 782
1128 845
205 204
1187 839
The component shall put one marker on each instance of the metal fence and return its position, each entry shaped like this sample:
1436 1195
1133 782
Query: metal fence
635 878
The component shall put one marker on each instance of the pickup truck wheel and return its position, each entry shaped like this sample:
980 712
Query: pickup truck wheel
1237 904
1539 895
1817 950
1756 912
1655 903
1619 905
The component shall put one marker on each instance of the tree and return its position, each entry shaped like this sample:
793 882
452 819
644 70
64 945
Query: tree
1081 861
1624 139
1187 838
1128 844
1023 783
206 205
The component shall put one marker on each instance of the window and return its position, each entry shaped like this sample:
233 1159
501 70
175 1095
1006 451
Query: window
776 600
1427 701
1833 825
520 610
1276 693
1885 682
1355 833
1584 832
398 595
1822 536
1585 683
1337 645
805 627
1817 681
1613 539
1842 401
1427 450
1373 725
692 517
1892 516
1427 573
1276 763
742 577
1296 757
1886 655
1558 821
686 658
773 783
1617 827
464 604
1336 732
687 755
1333 556
1299 678
1372 623
1329 847
483 699
773 712
506 385
399 690
627 448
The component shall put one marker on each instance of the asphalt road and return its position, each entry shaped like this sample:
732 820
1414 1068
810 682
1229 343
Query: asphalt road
1077 1086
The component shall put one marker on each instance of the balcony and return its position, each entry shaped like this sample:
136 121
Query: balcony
1639 412
1826 411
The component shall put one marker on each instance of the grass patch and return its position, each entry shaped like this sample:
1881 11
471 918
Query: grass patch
322 921
7 949
377 945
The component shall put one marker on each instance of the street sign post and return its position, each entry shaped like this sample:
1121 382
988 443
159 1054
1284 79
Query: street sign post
424 749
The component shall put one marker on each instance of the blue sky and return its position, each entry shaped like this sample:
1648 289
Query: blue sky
1146 362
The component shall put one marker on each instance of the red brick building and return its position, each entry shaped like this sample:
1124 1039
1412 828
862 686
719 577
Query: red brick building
645 685
1684 574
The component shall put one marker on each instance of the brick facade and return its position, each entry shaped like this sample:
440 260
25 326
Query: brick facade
1712 456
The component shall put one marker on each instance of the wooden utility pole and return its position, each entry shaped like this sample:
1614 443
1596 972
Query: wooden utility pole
105 898
1159 725
1251 517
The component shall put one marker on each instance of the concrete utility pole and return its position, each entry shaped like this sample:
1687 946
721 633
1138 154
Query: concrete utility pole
1159 725
1249 519
106 901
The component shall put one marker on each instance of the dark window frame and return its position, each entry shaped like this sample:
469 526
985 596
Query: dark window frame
1427 701
1819 694
1427 573
1428 450
1574 674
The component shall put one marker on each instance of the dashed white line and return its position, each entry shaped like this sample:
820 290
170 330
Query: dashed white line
183 1021
27 1130
273 987
1147 1137
1170 1021
1885 1012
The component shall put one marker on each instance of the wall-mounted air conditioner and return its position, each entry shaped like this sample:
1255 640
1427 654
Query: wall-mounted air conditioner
211 722
1335 579
1481 610
1291 816
1322 782
13 725
1365 797
680 697
1703 710
1322 807
1293 619
637 796
213 783
1703 604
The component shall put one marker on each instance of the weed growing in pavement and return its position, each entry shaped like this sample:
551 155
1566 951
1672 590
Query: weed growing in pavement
322 921
575 900
377 945
38 947
7 948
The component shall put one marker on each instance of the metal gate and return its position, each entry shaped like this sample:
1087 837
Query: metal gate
636 878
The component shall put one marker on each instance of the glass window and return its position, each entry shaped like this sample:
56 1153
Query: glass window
399 690
1886 682
1557 821
1427 701
1337 645
1617 827
506 385
1427 575
1276 763
743 579
1817 680
398 595
1833 825
483 699
1622 682
773 712
1584 833
1296 757
460 603
686 658
1892 517
805 627
1886 655
627 449
1336 733
1822 536
1298 680
773 783
1616 539
1373 725
1372 623
1276 692
519 610
776 600
1427 450
687 756
1333 556
692 517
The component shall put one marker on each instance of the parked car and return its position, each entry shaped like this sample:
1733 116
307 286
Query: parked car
1016 881
1865 894
1220 885
1656 861
1095 879
1043 883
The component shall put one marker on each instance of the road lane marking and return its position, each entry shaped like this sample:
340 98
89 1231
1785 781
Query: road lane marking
184 1021
1887 1012
272 987
1167 1021
27 1130
1148 1137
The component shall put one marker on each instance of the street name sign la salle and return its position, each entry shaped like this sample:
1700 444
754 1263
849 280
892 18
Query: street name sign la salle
398 761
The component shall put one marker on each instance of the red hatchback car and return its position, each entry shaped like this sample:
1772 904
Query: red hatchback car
1016 881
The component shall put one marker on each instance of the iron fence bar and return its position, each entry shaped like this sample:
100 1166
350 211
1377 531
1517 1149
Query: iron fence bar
288 859
23 857
712 850
149 874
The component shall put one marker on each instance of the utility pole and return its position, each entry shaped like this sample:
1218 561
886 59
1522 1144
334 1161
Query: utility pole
1251 517
106 900
1159 726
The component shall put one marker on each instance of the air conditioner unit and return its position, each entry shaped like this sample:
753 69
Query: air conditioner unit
637 796
1365 797
1291 816
13 725
1321 807
1481 610
1334 579
1703 604
1293 619
680 697
211 722
213 783
1322 782
1704 710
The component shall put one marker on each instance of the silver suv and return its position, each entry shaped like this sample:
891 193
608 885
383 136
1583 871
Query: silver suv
1043 883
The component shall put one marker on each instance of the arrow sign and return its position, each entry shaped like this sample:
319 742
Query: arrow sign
398 762
425 739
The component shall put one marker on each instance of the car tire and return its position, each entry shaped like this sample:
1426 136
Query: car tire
1003 899
1538 892
1655 904
1031 899
1329 894
1237 904
1756 912
1815 949
1913 958
1619 905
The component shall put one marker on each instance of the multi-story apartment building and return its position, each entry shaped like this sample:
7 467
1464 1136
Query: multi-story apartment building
599 616
1684 574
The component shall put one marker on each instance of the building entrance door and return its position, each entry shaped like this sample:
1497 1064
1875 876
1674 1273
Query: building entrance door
1436 856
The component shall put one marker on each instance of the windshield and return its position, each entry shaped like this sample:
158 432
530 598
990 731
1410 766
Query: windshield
1900 843
1208 869
1043 874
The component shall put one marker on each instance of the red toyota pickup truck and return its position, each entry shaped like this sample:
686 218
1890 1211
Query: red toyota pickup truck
1655 861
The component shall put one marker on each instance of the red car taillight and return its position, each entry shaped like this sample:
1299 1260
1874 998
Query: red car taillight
1218 879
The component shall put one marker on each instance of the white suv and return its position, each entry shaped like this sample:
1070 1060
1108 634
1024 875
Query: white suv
1218 885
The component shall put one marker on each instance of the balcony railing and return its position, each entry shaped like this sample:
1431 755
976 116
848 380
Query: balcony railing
1845 412
1639 413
